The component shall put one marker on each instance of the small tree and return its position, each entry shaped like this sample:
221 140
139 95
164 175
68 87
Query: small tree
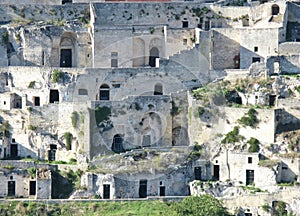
203 205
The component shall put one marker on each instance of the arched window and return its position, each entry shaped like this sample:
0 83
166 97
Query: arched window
275 9
117 145
104 92
154 53
158 89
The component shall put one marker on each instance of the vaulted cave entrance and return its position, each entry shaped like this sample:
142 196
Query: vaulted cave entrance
117 145
275 9
143 189
54 96
13 150
249 177
197 173
11 188
154 53
106 191
51 152
216 172
32 188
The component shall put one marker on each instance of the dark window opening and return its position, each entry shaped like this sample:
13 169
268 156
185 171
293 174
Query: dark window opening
104 92
65 58
184 41
272 99
13 150
11 188
4 102
116 85
36 101
158 89
255 59
154 54
13 140
106 191
162 191
185 24
206 26
117 145
82 91
114 59
143 189
250 160
66 1
236 60
255 49
54 96
51 152
197 173
275 10
32 188
249 177
248 214
216 173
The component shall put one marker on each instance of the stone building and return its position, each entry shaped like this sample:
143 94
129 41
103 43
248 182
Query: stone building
109 85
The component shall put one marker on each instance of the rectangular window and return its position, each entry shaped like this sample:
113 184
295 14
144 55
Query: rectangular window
249 160
114 59
185 24
256 49
255 59
184 41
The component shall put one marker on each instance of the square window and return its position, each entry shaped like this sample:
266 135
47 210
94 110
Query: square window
250 160
256 49
185 24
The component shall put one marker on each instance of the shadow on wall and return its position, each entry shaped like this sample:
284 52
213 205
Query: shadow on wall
285 121
229 54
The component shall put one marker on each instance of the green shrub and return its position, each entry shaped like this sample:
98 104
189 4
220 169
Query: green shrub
5 37
56 75
68 138
233 136
32 127
74 118
249 119
254 145
266 207
31 84
32 172
102 114
203 205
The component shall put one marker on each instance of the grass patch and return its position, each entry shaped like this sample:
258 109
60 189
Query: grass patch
268 163
88 208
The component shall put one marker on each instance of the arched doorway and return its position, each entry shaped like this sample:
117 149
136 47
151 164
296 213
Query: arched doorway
104 92
275 9
117 145
154 53
158 89
67 49
180 136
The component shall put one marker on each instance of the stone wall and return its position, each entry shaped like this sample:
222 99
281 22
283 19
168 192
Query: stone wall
32 2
